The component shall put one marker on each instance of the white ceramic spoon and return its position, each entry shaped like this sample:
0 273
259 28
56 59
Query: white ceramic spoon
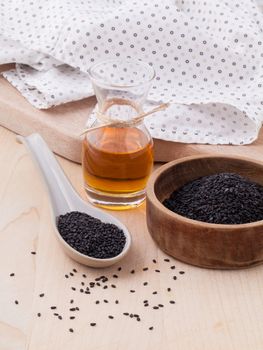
64 199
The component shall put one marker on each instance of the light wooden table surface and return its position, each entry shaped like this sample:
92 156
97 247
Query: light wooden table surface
213 310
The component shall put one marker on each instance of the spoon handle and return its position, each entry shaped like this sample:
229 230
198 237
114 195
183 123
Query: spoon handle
61 192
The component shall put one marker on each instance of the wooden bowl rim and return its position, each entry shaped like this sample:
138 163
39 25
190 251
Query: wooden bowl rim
151 196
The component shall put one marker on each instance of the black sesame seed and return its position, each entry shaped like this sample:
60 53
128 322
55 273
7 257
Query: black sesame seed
53 307
172 302
160 305
145 283
119 268
132 291
55 314
181 272
41 295
115 276
150 328
71 274
172 267
131 315
93 324
38 314
138 319
111 317
77 309
90 236
84 276
132 271
166 260
155 292
72 317
71 330
155 307
157 271
72 309
168 289
174 277
145 301
105 301
83 283
223 198
146 304
145 269
113 286
66 276
105 287
116 301
74 270
60 317
33 253
97 302
12 274
154 261
126 313
73 288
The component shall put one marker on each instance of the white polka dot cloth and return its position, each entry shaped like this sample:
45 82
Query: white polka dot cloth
208 57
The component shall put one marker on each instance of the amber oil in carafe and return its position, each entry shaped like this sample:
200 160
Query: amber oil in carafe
117 162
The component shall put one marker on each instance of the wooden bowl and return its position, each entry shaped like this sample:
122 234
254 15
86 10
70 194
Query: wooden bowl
198 243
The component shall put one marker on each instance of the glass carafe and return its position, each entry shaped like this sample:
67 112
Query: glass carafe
117 158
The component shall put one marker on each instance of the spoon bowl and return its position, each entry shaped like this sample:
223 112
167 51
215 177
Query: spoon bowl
64 199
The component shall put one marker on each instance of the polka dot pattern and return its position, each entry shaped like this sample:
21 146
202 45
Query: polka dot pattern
43 88
208 57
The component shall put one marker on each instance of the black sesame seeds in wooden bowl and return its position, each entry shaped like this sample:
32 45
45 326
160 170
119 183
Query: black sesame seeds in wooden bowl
224 227
223 198
91 236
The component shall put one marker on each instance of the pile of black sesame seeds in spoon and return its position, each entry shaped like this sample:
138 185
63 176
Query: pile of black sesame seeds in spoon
91 236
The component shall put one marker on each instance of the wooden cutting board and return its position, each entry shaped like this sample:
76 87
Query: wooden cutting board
60 126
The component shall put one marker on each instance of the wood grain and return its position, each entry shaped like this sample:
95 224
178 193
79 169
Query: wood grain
214 310
200 243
